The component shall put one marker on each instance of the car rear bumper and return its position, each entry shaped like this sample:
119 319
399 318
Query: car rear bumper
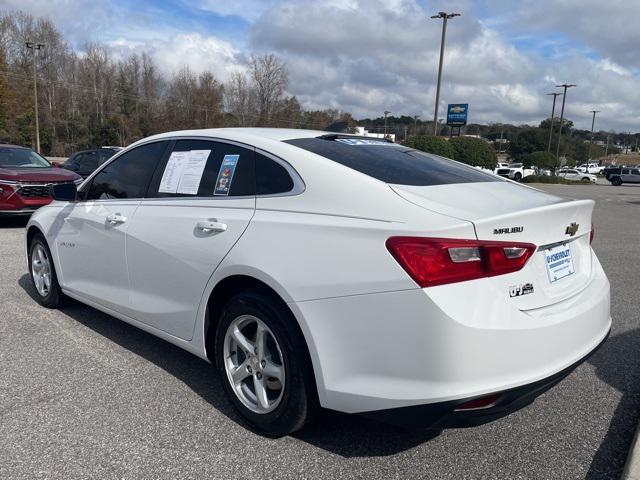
411 348
452 413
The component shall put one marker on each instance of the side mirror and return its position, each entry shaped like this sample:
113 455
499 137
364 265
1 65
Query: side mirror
65 192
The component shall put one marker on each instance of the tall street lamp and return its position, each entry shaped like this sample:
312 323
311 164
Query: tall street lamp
415 124
593 121
565 86
386 112
35 47
553 112
445 17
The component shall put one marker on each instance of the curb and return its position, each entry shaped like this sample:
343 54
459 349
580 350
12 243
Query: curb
632 467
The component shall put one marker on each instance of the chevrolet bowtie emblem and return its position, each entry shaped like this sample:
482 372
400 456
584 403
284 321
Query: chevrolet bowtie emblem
572 229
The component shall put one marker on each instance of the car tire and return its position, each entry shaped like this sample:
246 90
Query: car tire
289 395
43 274
517 177
586 179
616 181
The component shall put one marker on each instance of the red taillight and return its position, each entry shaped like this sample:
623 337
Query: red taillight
437 261
592 234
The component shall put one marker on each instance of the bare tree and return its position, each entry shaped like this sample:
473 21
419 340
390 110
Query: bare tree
240 99
271 79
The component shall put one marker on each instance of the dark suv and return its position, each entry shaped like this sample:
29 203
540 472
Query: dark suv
618 176
86 161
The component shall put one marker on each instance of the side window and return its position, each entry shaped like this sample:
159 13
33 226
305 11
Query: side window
205 168
271 177
625 172
635 171
88 163
104 155
129 175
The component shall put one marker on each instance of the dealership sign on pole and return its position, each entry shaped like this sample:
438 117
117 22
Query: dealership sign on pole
457 114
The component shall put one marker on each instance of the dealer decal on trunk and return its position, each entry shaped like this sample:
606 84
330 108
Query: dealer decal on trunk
518 290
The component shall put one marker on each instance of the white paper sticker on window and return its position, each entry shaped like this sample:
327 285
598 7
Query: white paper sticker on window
192 172
183 172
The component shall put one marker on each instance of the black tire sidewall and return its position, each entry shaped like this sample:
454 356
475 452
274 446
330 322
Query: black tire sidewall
297 404
53 298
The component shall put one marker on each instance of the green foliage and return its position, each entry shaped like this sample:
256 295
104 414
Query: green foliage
473 151
566 124
551 179
529 141
435 145
540 159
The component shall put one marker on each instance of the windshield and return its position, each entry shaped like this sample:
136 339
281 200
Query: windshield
515 165
21 158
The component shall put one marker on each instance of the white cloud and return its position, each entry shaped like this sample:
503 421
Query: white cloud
198 52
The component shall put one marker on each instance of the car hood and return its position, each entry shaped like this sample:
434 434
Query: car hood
38 175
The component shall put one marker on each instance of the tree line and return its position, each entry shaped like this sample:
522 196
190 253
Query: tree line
91 98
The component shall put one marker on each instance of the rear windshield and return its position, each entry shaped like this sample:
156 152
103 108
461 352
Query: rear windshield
392 163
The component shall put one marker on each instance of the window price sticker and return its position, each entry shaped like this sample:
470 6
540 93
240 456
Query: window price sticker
225 174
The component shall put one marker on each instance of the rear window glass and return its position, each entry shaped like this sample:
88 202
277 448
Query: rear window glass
395 164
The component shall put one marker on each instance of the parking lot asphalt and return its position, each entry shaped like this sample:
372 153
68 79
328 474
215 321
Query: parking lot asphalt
83 395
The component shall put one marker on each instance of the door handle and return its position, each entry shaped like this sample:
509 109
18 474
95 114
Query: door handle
116 218
211 226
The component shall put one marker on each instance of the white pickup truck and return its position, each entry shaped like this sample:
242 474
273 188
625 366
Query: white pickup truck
593 168
515 171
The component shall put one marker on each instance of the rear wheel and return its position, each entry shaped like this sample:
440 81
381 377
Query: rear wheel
263 364
617 181
43 273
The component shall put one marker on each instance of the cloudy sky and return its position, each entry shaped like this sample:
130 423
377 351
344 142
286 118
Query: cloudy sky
367 56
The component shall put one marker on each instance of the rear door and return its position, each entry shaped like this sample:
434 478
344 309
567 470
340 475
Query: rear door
200 203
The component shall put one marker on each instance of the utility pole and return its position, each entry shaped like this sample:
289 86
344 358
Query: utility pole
415 124
553 112
445 17
593 121
386 112
564 97
606 150
34 47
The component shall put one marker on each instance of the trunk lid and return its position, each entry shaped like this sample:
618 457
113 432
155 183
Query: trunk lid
505 211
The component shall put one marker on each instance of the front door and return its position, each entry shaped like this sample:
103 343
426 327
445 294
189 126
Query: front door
204 199
92 232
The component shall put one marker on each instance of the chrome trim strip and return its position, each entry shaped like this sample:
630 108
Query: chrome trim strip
562 242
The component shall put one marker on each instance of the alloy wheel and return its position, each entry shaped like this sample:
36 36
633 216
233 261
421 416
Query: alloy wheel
41 270
254 364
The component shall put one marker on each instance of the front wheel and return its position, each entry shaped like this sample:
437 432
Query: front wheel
264 365
586 179
43 274
517 177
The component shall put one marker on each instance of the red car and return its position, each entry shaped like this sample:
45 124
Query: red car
25 177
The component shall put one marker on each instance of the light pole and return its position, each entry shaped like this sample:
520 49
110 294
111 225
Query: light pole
415 124
386 112
35 47
564 97
553 112
593 121
445 17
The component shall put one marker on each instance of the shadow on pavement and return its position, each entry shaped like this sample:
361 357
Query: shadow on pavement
341 434
618 364
14 222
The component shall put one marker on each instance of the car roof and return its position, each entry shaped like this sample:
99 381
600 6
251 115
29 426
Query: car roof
258 137
8 145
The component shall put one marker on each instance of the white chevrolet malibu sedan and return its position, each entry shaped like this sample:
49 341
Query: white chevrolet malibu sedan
316 269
